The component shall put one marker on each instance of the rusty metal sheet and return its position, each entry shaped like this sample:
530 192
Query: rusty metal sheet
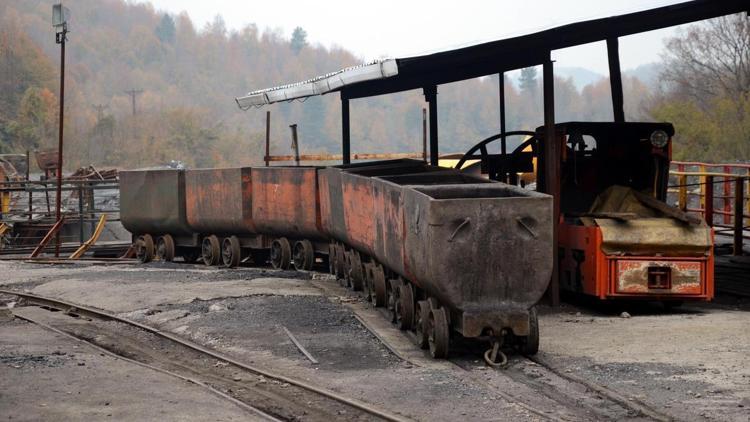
632 276
153 202
219 201
654 236
285 202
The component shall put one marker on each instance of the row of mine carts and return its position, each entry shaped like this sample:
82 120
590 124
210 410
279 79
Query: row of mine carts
414 238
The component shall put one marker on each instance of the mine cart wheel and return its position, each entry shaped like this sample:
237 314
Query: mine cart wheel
231 252
304 255
379 286
367 282
165 248
281 253
530 343
211 250
341 264
144 248
439 336
356 274
406 307
394 293
422 317
191 255
331 259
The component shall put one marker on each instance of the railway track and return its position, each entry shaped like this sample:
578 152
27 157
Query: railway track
530 382
264 394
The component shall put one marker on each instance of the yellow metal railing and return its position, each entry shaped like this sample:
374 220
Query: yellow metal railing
722 191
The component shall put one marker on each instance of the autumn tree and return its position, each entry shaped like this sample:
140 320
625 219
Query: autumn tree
708 91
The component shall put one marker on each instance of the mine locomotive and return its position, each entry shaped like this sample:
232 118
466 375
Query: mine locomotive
618 237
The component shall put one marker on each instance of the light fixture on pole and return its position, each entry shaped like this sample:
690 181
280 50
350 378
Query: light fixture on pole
60 16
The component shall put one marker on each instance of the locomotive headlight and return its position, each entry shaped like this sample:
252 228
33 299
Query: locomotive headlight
659 138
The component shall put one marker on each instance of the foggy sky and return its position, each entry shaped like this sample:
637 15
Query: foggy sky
390 28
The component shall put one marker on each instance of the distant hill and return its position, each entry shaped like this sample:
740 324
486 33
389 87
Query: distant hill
581 76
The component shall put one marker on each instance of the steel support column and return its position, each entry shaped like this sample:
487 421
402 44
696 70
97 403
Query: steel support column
551 150
615 79
345 132
430 95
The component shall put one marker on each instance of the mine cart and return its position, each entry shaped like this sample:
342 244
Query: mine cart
152 208
286 207
219 208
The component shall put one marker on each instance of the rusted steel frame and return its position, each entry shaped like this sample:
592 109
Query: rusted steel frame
345 132
336 157
552 152
94 237
52 232
727 196
268 136
28 176
295 143
430 94
739 185
708 200
615 78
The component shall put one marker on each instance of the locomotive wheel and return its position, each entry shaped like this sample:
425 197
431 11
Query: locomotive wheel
394 293
144 248
422 316
331 259
439 336
211 250
406 307
191 255
231 252
281 254
530 343
379 286
304 255
356 275
165 248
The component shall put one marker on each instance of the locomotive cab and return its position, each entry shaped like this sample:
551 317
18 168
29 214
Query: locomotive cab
618 237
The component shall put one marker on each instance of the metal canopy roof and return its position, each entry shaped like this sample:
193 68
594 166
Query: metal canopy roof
497 56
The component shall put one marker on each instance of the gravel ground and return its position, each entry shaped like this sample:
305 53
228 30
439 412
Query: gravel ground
691 363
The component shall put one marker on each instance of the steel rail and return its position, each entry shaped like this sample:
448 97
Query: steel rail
85 310
198 382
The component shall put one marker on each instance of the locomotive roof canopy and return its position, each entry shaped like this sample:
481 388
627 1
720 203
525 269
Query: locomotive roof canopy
491 57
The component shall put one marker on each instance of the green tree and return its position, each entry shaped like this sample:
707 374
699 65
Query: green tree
299 40
527 82
166 29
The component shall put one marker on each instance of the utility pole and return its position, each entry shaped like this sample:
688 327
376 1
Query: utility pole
59 22
133 93
99 110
